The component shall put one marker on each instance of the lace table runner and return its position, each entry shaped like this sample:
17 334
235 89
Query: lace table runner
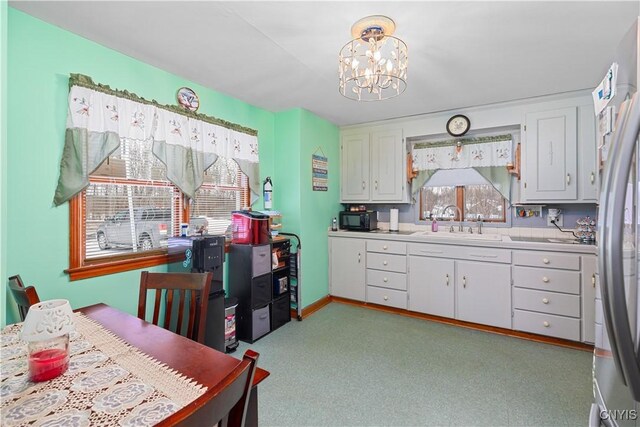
108 383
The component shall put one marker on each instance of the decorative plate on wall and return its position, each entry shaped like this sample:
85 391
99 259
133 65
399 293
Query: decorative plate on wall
458 125
188 99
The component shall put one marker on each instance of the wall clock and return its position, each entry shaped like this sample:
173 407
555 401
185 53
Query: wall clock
188 99
458 125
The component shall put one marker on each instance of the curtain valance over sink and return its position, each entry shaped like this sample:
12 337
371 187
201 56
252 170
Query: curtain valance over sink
188 143
488 155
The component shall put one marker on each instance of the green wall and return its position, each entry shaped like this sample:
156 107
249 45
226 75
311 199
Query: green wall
3 157
307 213
40 59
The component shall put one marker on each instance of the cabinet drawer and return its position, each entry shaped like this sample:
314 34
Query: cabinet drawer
387 279
547 279
546 302
386 262
431 250
388 297
483 254
547 259
388 247
261 260
547 324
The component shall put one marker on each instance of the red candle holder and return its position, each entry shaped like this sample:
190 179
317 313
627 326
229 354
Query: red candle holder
48 359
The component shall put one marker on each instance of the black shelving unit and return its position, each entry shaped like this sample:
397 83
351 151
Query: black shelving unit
261 287
295 282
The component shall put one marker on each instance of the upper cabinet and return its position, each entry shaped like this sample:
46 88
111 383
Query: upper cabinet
373 166
550 163
559 162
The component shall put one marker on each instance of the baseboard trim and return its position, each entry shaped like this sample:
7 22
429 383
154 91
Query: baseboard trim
312 308
491 329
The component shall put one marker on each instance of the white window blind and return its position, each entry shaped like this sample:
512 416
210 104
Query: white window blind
130 184
224 190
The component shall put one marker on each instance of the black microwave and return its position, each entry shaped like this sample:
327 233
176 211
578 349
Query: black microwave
359 221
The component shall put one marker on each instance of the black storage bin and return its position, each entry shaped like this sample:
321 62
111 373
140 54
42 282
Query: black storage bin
261 291
280 311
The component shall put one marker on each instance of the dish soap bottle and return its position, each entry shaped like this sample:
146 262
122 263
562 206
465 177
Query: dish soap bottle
434 224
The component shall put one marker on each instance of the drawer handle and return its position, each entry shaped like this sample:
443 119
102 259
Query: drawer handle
464 281
546 324
568 179
263 316
545 300
376 184
363 185
385 280
430 252
545 279
386 298
359 257
385 247
592 177
545 260
593 279
384 262
483 256
447 279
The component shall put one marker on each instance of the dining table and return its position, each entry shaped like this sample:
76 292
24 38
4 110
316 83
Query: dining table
117 357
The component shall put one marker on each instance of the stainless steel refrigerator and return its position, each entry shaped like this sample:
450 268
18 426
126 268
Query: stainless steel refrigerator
616 362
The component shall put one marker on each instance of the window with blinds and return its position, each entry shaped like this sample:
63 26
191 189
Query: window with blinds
130 206
225 189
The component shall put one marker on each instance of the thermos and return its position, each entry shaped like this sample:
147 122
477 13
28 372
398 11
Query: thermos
267 190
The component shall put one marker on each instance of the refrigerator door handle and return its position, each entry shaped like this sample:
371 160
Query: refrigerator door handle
611 247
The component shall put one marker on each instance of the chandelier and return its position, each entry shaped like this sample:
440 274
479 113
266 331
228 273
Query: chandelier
373 66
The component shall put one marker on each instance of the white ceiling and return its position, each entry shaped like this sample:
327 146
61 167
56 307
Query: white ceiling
281 55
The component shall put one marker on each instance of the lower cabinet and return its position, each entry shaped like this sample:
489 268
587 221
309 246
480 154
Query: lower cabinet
589 280
347 265
484 293
432 286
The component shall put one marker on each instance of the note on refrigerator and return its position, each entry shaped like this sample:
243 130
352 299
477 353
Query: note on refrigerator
606 90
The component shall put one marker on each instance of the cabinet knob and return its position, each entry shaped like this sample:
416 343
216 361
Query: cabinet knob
386 298
384 262
546 324
385 247
545 300
545 260
545 279
385 280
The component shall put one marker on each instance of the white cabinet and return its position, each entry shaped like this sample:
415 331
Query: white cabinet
483 291
355 167
387 273
587 155
373 166
589 279
550 160
347 268
431 285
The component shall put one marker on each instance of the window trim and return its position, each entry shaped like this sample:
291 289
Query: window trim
461 205
81 268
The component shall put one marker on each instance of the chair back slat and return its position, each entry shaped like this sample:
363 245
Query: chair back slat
198 285
25 297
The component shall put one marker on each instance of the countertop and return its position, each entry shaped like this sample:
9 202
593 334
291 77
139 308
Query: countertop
502 241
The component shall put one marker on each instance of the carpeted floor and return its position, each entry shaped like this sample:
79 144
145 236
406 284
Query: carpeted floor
347 365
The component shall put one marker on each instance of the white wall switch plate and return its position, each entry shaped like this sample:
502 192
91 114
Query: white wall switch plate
559 221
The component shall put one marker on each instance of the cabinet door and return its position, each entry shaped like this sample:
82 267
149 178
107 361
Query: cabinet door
484 293
587 155
387 166
588 299
551 149
355 167
431 285
347 268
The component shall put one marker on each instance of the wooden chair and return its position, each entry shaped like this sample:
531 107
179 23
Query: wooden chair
198 285
226 405
24 297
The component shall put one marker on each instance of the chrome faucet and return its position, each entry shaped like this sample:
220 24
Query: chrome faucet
479 224
459 215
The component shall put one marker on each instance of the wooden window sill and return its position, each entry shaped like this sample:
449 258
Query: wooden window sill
111 266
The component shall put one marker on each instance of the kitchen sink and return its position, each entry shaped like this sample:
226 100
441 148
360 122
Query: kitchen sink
459 235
